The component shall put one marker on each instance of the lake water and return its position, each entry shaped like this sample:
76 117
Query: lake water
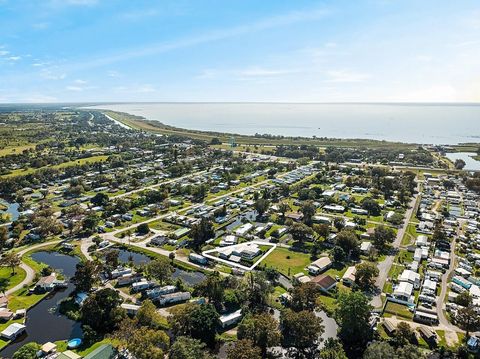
12 209
44 322
470 163
189 277
412 123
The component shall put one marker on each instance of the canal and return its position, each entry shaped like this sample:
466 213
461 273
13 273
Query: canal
44 322
12 209
189 277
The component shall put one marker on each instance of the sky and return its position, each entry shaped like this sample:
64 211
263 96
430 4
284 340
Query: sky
239 50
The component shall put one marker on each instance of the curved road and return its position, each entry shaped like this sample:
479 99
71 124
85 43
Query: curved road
30 273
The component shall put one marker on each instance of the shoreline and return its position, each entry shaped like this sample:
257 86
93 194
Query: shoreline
133 121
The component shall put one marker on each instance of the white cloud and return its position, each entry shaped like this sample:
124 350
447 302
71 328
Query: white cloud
346 76
74 88
14 58
50 74
38 98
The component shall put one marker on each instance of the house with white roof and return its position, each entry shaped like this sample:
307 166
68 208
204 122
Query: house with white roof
410 277
402 293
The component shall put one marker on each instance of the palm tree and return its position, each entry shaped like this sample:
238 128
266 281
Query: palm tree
11 260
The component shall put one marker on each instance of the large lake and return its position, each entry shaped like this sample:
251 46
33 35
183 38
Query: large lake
412 123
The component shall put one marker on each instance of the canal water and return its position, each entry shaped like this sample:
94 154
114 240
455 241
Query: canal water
471 164
191 278
44 322
12 209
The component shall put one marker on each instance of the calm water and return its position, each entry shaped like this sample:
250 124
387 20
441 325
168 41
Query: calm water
44 322
191 278
470 163
12 209
413 123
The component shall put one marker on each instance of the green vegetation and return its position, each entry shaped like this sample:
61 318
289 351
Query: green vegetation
286 261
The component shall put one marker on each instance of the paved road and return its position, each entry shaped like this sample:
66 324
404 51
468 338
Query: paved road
28 270
386 264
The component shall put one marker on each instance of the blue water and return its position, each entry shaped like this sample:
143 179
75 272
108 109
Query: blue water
44 322
411 123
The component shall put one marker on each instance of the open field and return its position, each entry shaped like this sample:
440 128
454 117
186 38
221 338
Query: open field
286 261
82 161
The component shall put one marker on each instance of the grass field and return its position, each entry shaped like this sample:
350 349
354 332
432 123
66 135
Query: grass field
82 161
13 280
287 262
15 149
398 310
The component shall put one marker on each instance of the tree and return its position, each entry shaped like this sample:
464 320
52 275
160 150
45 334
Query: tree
261 206
304 297
100 199
464 299
11 260
101 310
404 335
338 254
379 350
371 206
255 290
332 350
27 351
323 230
468 319
142 342
213 288
201 232
409 352
301 332
3 236
308 209
339 223
4 284
283 208
111 258
459 164
148 316
261 329
300 232
243 349
383 235
171 256
86 275
365 275
352 315
349 242
143 229
160 269
90 222
198 321
188 348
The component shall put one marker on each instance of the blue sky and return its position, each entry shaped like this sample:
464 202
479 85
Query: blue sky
239 50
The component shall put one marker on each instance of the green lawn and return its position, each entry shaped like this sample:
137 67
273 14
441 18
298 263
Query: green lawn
13 280
23 300
398 310
82 161
286 261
